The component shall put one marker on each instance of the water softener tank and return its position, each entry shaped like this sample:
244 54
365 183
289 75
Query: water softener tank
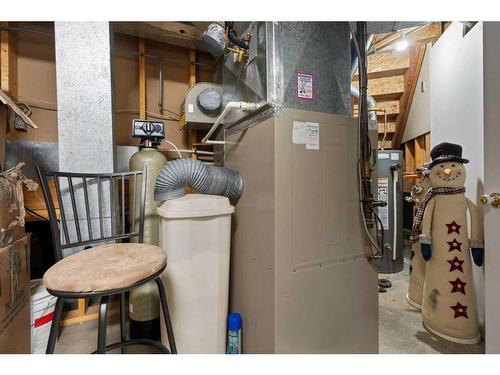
144 306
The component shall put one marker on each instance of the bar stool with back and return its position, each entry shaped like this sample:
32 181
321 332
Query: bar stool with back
110 267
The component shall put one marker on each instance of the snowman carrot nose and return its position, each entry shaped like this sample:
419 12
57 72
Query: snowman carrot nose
447 171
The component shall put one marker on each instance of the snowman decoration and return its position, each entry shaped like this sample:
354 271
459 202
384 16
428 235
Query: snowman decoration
448 303
417 267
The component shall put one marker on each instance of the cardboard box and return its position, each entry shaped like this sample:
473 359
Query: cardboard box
15 297
12 212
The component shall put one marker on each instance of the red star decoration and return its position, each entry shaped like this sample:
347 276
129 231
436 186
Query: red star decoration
453 227
458 286
456 264
460 310
455 245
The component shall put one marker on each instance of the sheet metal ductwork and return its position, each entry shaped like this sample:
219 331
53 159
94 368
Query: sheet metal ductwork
207 179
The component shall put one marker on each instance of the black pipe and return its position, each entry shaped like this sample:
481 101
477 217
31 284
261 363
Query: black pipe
233 37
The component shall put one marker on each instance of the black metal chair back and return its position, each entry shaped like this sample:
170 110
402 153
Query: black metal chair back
92 207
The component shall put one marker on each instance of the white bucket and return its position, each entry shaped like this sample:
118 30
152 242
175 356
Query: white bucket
42 314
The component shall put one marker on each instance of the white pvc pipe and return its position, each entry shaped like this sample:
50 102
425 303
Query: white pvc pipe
231 105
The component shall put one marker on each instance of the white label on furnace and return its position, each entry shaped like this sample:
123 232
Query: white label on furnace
299 133
382 156
383 195
312 141
190 108
395 156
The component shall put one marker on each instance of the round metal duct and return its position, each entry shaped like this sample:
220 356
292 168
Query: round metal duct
214 39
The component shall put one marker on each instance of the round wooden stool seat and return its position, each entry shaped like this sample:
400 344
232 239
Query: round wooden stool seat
104 268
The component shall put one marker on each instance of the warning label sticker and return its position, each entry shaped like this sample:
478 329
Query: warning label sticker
383 195
305 86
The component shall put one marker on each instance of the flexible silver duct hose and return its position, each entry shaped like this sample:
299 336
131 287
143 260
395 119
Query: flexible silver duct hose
206 179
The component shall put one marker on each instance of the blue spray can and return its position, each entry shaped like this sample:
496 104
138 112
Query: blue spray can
234 334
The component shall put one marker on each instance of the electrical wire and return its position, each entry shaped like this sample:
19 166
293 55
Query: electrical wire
174 146
364 141
151 114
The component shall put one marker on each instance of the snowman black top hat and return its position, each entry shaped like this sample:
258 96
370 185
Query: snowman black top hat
446 152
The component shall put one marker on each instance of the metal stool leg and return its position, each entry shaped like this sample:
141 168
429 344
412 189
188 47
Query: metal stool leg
101 331
123 320
54 329
166 315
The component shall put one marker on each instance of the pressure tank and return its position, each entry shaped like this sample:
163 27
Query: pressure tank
144 305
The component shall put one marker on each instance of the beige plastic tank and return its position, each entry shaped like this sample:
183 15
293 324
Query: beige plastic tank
196 233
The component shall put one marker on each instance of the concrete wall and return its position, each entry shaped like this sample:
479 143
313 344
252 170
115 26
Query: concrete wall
456 108
419 117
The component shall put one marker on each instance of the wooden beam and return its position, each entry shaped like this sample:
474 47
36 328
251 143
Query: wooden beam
390 38
74 317
386 96
384 73
5 99
142 79
419 152
414 36
411 79
82 307
414 44
192 67
8 61
427 147
173 33
409 157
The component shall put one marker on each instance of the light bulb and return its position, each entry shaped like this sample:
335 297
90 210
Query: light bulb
402 43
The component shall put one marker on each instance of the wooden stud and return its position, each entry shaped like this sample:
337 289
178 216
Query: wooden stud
384 73
192 67
142 79
74 317
415 36
427 156
409 157
419 155
8 61
82 307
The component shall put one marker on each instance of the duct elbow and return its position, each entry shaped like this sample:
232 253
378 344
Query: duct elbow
206 179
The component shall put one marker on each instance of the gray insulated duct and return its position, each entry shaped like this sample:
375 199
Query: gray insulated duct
206 179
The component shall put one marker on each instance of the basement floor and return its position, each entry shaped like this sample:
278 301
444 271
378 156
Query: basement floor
81 338
400 326
400 329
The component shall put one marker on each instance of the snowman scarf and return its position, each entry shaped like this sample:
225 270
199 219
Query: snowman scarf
419 216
